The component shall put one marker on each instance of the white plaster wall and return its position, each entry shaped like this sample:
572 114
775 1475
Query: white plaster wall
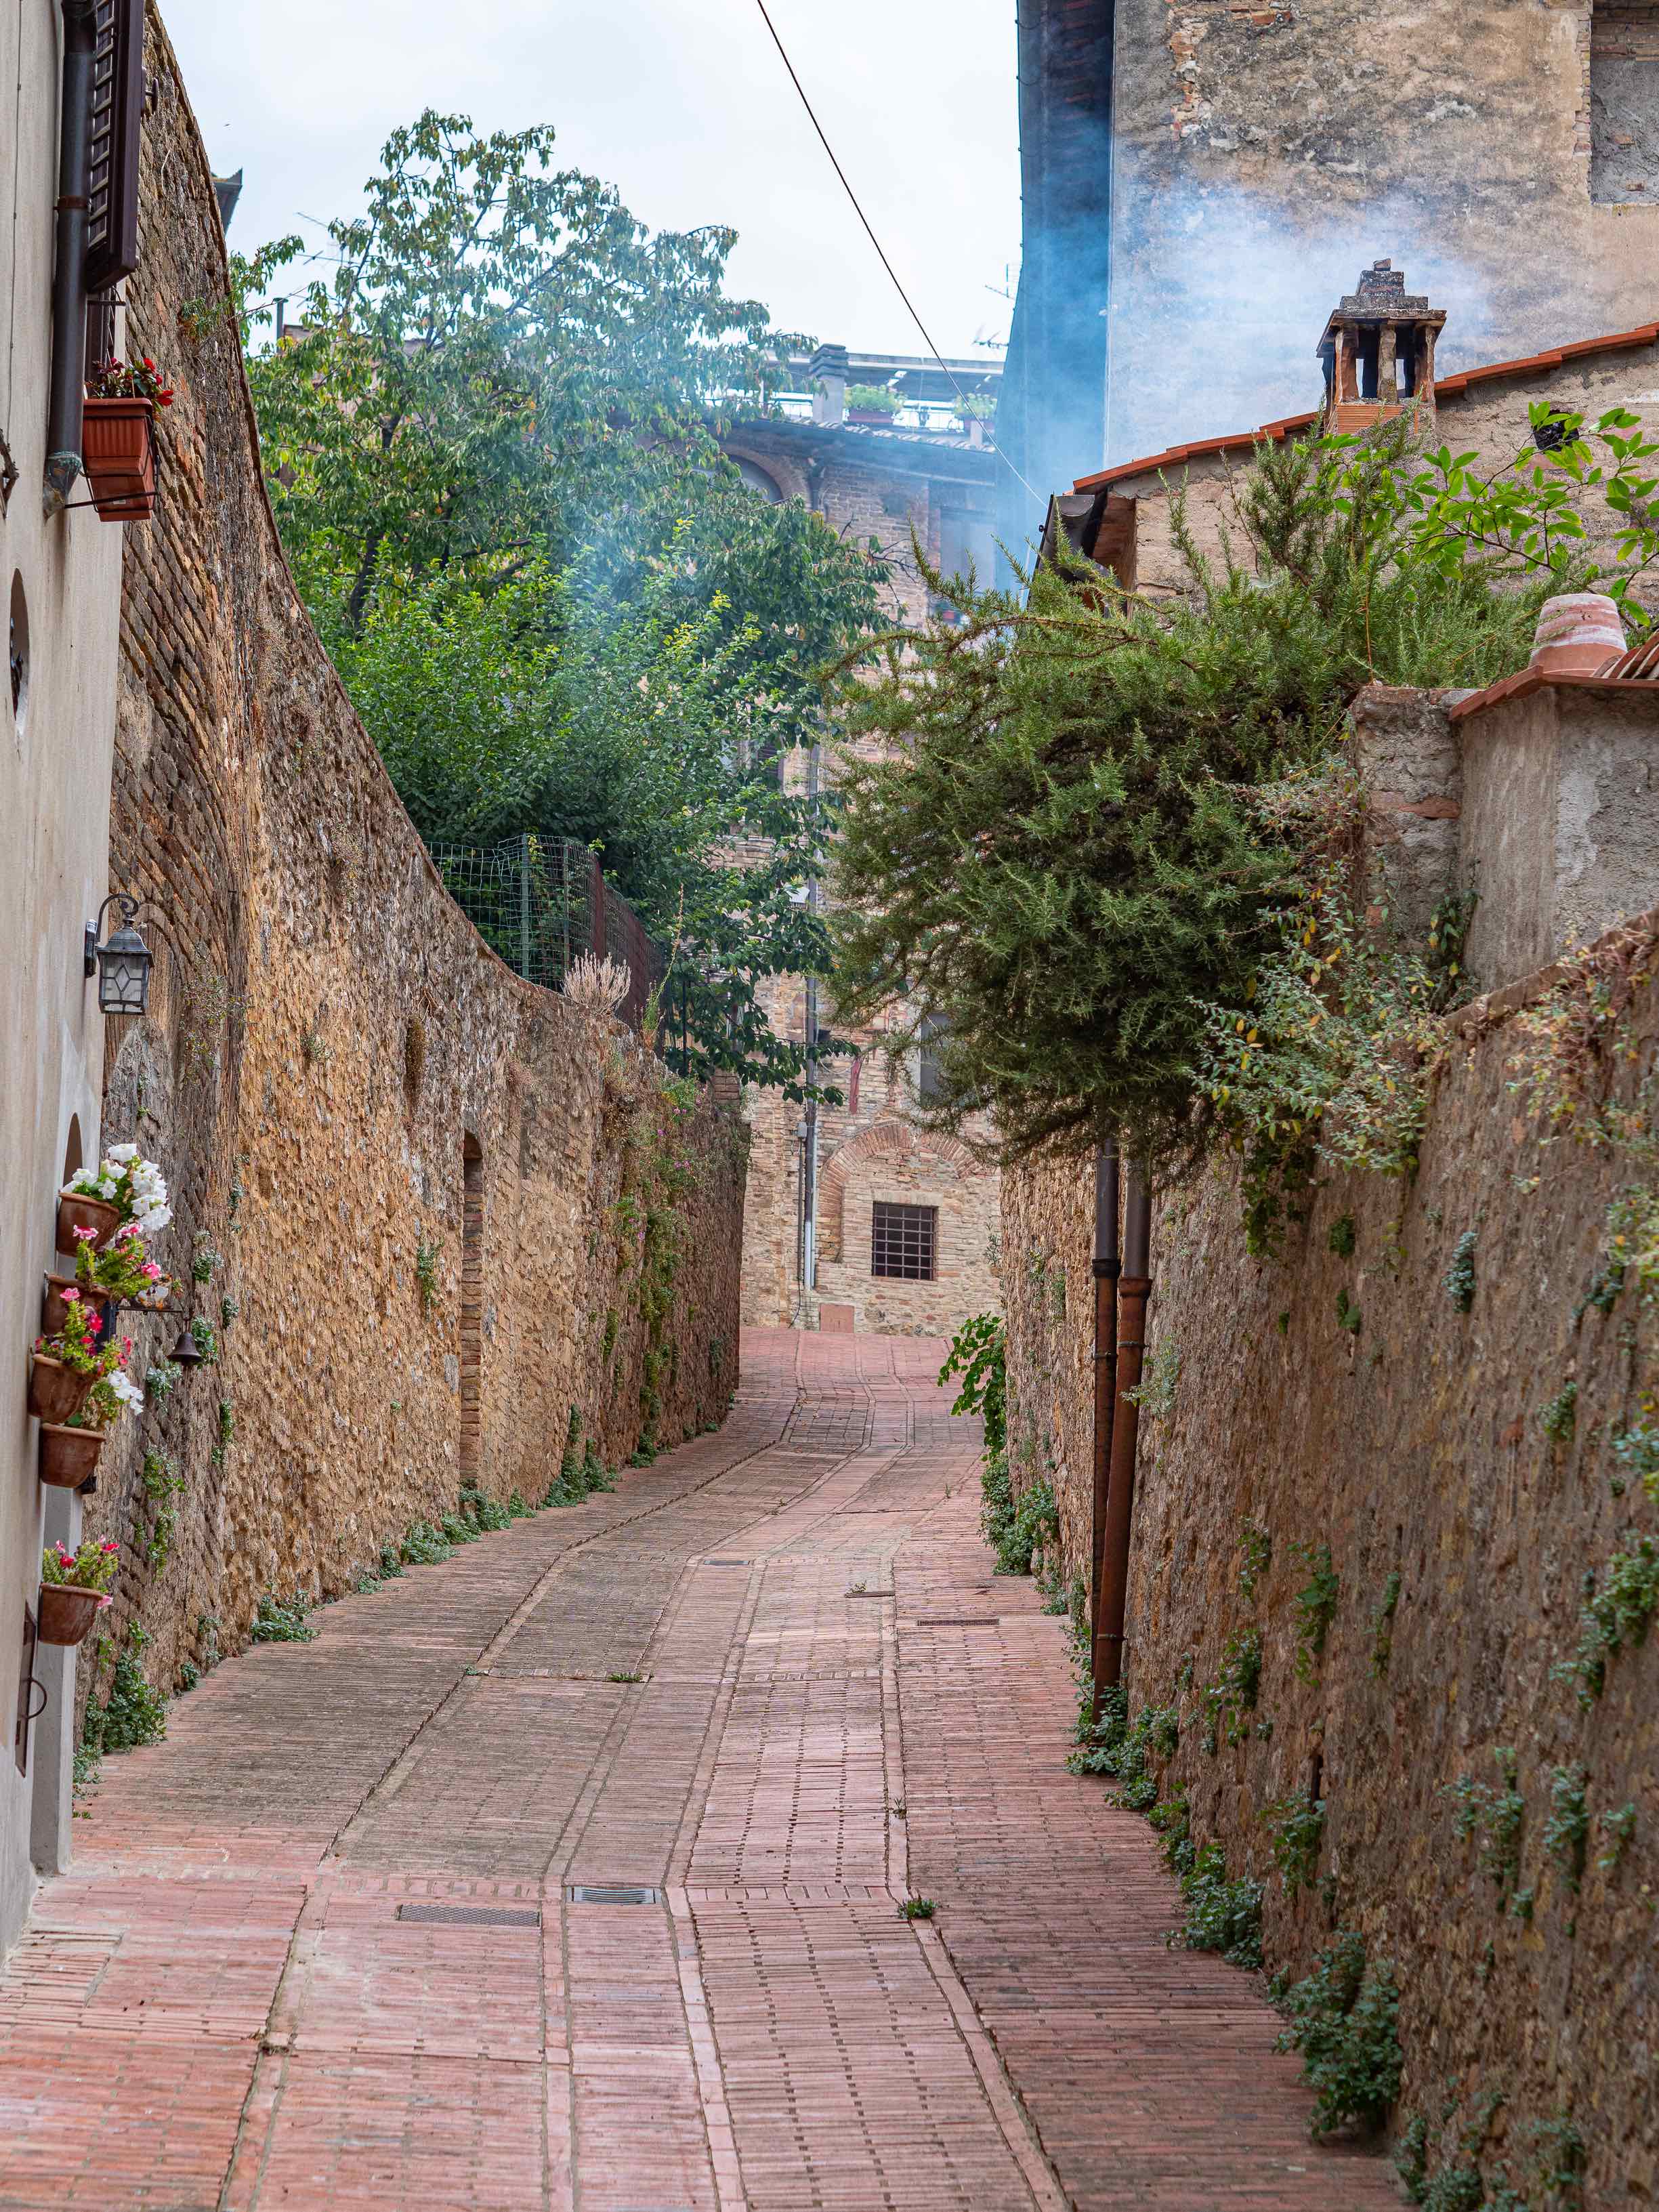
54 819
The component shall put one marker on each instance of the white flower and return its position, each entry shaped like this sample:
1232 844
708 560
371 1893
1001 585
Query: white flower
105 1185
153 1220
83 1179
130 1393
122 1152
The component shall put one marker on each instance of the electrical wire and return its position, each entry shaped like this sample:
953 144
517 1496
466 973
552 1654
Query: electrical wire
846 186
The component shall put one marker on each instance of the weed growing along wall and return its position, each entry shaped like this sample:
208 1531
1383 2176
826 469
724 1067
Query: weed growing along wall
434 1222
1395 1554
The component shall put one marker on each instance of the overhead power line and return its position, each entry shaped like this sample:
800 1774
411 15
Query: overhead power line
869 232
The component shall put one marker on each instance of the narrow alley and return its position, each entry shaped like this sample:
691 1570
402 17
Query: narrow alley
352 1935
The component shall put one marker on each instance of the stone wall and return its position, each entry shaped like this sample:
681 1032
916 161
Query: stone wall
430 1209
1469 1454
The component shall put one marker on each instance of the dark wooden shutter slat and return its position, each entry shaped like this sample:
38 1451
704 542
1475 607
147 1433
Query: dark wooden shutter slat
117 108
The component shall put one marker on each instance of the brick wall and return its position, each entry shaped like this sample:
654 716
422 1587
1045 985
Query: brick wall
1413 1445
328 1041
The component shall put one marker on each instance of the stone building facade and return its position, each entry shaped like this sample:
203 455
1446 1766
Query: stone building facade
1122 516
838 1195
1507 150
61 575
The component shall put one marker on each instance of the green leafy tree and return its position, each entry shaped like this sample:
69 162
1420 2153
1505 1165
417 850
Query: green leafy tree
503 360
1107 842
491 443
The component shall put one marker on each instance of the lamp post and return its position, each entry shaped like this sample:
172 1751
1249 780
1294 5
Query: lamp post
122 963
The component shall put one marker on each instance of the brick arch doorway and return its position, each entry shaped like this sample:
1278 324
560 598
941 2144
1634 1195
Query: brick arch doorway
472 1234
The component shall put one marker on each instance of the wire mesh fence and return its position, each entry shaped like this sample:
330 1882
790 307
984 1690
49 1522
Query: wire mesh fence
541 903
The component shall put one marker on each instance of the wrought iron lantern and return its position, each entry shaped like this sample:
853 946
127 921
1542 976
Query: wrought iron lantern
121 963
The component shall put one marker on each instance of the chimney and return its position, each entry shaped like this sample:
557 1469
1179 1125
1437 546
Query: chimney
1379 351
827 372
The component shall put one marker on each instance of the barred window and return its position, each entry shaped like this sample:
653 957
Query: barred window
903 1240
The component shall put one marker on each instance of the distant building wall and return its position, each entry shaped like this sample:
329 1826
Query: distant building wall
882 485
1506 150
60 585
870 1150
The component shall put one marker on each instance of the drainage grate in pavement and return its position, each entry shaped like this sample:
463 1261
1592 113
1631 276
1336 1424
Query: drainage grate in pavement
949 1620
472 1916
728 1563
601 1893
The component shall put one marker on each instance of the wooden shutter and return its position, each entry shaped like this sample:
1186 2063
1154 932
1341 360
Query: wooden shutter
117 107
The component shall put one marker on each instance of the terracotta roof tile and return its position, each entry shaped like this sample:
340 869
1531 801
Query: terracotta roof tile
1445 387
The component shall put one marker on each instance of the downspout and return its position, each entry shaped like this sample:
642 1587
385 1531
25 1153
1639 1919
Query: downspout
1133 1286
809 1150
68 335
1107 1269
810 1156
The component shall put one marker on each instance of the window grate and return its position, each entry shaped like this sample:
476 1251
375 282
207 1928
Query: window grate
903 1240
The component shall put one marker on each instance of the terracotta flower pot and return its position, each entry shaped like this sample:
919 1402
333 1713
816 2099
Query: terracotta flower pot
1578 634
117 444
55 1391
66 1613
69 1456
76 1211
54 1311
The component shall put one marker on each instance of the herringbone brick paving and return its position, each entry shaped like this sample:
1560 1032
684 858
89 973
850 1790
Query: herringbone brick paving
220 2010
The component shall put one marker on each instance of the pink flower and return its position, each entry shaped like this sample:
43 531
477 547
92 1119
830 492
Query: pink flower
151 1271
85 1235
71 1298
106 1600
109 1545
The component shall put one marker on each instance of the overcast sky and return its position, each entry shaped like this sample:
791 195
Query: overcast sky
682 104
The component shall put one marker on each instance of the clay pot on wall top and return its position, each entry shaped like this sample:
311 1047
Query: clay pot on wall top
117 446
1578 634
66 1613
76 1211
55 1391
69 1457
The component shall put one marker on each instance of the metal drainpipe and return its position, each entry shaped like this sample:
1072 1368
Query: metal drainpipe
69 304
1133 1286
809 1154
1106 1268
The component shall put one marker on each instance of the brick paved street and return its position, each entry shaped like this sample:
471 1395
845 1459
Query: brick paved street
325 1945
